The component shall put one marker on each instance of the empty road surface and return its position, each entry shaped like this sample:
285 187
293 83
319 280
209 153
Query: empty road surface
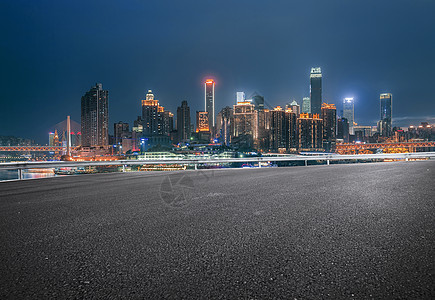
353 231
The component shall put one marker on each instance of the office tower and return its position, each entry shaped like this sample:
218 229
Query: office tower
155 120
294 107
306 105
386 114
343 130
202 121
316 90
245 125
258 101
329 117
349 113
209 102
183 122
95 117
240 97
310 132
150 115
223 125
278 130
120 130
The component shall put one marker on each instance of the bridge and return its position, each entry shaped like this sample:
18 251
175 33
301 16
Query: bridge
341 231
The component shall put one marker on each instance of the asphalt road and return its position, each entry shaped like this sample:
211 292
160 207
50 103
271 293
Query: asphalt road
338 232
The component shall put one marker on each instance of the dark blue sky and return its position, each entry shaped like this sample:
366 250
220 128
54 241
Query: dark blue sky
52 52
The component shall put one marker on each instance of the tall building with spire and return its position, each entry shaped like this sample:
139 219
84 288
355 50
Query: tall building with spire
95 117
316 90
209 102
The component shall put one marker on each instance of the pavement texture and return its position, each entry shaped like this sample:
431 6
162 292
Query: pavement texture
356 231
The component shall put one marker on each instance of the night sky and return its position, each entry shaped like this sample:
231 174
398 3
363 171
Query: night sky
52 52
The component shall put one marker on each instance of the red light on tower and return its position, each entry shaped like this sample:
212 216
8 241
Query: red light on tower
209 81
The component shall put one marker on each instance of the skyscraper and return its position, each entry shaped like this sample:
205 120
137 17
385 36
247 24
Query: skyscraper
343 130
183 122
150 115
349 113
310 132
306 105
278 130
95 117
316 90
245 125
329 117
209 102
223 125
386 114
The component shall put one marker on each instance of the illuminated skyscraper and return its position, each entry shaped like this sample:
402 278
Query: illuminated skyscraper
386 114
329 117
245 125
95 117
183 122
306 105
349 113
310 132
316 90
209 102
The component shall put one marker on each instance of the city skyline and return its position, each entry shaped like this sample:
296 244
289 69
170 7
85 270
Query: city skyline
44 57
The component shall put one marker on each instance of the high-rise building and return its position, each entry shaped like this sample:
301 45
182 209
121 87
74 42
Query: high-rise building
278 130
244 125
209 102
316 90
310 132
223 125
329 117
183 122
349 113
291 119
386 114
95 117
258 101
155 120
343 130
306 105
121 130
